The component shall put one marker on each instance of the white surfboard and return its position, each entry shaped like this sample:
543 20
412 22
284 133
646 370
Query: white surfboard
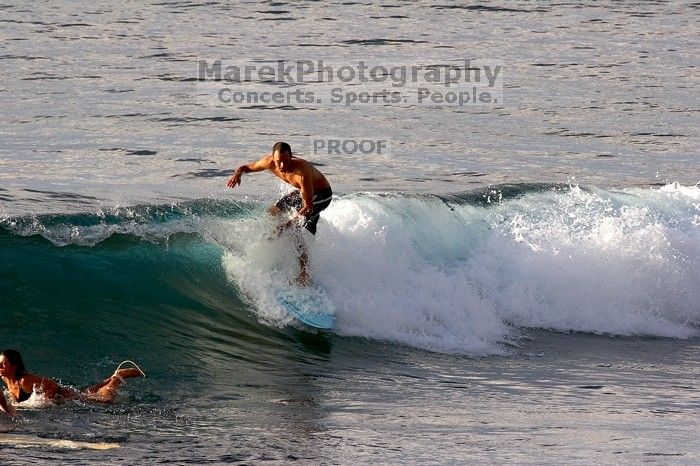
28 441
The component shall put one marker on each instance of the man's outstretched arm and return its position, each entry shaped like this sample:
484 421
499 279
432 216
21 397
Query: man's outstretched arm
263 164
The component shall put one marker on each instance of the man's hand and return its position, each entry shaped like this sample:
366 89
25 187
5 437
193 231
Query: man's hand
264 163
235 179
305 210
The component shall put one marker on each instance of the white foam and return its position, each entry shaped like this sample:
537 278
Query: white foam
36 400
255 263
415 271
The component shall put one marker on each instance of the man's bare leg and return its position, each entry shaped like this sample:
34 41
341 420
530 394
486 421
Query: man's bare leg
303 279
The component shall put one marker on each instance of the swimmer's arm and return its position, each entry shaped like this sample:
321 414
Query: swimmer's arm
5 406
264 163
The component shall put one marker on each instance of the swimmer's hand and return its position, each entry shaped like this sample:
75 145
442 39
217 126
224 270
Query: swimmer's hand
7 408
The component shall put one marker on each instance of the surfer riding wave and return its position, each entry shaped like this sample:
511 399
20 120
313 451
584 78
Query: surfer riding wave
313 195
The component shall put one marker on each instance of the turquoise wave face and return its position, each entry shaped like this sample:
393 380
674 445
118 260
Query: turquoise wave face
76 311
187 283
123 297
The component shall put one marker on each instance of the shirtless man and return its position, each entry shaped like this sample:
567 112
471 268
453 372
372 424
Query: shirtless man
313 193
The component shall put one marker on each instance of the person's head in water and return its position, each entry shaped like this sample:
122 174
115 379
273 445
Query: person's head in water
282 156
11 364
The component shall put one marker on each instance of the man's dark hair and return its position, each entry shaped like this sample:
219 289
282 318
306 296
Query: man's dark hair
16 360
281 147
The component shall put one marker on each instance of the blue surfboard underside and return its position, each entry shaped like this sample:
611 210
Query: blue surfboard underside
309 306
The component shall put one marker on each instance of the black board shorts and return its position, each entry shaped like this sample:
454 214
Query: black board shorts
293 201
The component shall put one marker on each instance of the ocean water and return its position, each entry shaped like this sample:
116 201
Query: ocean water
513 283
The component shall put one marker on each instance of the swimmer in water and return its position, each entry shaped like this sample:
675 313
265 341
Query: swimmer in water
21 384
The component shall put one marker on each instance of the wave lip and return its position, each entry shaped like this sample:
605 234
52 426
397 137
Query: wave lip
150 222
